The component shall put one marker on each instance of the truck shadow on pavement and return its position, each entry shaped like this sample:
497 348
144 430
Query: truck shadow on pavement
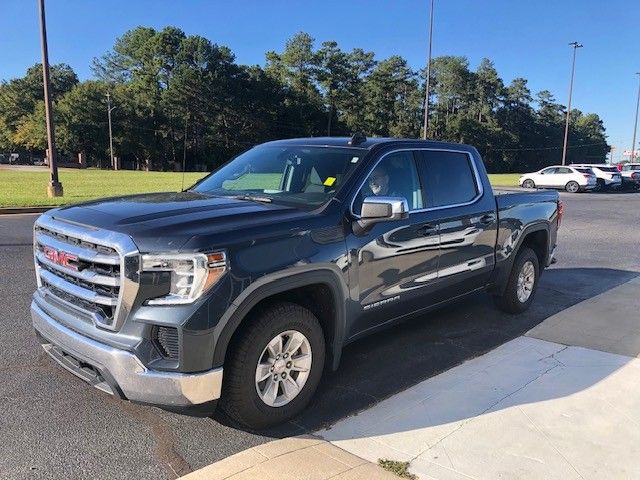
393 360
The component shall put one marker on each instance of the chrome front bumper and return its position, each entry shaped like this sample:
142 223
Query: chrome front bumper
120 372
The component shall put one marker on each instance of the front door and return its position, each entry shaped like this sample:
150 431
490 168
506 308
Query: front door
395 264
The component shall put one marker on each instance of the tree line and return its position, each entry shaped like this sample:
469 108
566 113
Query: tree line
180 97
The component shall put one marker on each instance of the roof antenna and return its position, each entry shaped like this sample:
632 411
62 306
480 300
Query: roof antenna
357 138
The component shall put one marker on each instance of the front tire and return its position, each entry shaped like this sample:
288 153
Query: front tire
274 367
528 183
522 283
572 187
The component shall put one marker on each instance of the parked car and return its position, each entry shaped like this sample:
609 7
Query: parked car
607 176
244 287
631 175
571 179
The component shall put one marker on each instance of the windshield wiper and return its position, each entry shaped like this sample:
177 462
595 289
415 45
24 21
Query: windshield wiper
252 198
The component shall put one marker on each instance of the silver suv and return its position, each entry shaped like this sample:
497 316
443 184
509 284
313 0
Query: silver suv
607 176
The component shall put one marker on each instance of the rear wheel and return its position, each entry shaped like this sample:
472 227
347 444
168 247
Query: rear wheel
274 367
528 183
522 283
572 187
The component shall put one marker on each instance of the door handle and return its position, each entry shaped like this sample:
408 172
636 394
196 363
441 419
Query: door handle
487 219
427 229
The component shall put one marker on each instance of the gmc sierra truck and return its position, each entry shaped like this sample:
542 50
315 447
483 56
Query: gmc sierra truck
241 290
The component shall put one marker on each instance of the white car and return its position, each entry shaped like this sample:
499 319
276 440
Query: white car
571 179
607 176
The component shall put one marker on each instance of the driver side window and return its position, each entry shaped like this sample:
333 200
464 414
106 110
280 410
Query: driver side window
394 176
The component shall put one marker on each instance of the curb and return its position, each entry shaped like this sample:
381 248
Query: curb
303 457
19 210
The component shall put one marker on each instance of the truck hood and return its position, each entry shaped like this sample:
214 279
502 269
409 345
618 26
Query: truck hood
166 221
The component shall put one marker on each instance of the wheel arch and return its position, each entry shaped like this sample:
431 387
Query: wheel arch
320 291
535 236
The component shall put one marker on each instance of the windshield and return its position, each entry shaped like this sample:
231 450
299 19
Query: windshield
609 169
301 176
585 170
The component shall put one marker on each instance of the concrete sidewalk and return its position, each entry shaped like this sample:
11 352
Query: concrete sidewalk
296 458
539 407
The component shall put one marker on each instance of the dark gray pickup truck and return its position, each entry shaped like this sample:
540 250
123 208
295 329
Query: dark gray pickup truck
245 287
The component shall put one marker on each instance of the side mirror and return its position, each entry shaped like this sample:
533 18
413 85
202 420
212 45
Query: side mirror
381 209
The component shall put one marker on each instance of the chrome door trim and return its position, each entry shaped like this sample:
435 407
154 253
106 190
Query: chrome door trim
479 187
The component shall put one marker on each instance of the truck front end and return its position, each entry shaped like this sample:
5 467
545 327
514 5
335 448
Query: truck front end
97 313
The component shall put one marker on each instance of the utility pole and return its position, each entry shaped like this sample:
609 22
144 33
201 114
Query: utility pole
109 110
575 46
428 84
635 127
54 189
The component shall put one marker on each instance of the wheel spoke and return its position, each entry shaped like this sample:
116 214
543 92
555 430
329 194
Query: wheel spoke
263 371
275 346
293 344
301 363
270 391
290 387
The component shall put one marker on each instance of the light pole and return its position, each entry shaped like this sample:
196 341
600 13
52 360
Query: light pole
575 46
54 189
635 126
428 84
109 110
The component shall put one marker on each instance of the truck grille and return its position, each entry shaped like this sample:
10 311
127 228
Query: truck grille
83 272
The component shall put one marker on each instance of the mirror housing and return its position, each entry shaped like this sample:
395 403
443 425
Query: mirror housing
381 209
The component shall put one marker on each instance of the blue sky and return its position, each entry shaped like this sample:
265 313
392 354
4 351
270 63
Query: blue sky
525 38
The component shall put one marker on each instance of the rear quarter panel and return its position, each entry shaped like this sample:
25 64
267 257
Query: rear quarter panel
519 214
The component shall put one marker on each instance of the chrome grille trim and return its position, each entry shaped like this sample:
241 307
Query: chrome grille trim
81 252
76 290
110 280
87 276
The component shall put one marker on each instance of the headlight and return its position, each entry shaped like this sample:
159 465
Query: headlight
191 274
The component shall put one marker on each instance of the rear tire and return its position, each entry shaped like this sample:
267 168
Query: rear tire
528 183
250 402
572 187
522 283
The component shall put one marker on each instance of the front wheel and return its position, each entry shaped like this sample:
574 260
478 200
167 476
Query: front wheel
572 187
528 183
274 367
522 283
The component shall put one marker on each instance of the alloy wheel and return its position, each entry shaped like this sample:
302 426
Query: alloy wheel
283 368
526 281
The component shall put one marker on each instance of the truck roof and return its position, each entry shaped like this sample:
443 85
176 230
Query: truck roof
363 143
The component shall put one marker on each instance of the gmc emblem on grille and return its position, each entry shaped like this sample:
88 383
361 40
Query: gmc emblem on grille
61 258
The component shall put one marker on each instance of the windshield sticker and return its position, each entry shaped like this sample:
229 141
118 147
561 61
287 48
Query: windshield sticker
355 159
329 181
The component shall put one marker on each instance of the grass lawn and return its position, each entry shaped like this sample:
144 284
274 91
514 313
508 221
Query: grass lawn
20 188
504 179
23 188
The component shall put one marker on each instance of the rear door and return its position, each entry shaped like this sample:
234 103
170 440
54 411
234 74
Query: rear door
467 220
563 176
545 178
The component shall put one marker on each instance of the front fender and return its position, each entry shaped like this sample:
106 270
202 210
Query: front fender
280 282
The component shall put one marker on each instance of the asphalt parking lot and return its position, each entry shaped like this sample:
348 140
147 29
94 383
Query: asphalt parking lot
55 426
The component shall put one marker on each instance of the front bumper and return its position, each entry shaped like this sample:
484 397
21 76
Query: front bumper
120 372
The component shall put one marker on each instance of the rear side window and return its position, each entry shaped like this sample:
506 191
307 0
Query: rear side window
448 177
563 170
